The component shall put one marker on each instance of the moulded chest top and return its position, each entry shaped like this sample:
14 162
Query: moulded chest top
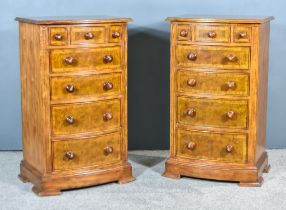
220 19
71 20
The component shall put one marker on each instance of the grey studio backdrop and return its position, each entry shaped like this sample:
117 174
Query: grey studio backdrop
148 61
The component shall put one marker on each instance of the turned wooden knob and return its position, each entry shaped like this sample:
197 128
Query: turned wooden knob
191 112
242 34
192 82
70 119
69 60
107 59
229 148
230 114
58 37
230 84
107 86
191 145
115 34
70 88
69 155
183 33
88 35
211 34
108 150
231 57
107 116
192 56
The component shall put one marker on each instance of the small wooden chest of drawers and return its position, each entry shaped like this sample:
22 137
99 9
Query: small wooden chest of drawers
218 97
74 102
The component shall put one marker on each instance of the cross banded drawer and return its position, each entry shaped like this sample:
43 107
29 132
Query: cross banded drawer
93 151
223 147
213 112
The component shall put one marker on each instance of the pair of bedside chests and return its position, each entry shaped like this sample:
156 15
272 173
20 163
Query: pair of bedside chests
74 100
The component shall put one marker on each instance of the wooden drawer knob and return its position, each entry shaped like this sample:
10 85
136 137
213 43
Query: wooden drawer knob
115 34
107 116
242 34
192 56
191 112
107 86
108 150
230 114
58 37
69 60
88 35
211 34
70 155
229 148
191 145
230 84
192 82
183 33
107 59
70 119
70 88
231 57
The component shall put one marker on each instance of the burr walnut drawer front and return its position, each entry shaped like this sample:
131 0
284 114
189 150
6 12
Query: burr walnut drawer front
87 35
66 60
213 112
85 117
95 151
213 83
72 87
242 33
223 147
58 36
215 57
211 33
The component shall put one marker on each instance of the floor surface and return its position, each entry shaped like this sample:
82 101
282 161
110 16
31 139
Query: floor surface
149 191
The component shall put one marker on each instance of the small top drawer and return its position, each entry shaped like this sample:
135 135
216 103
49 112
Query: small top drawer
58 36
241 33
87 35
211 33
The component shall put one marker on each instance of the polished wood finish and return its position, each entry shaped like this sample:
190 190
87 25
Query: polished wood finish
74 103
87 117
85 86
211 33
83 155
218 95
212 57
213 112
213 83
85 35
66 60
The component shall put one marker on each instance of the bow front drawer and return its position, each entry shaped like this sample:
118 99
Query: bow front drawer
87 35
213 112
223 147
212 33
85 86
67 60
73 154
86 117
213 83
215 57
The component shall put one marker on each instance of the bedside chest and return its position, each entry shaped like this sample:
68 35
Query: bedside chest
218 96
74 102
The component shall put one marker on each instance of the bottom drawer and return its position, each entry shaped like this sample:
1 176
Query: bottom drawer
72 154
223 147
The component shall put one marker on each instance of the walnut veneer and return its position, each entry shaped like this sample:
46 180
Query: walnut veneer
218 96
74 102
